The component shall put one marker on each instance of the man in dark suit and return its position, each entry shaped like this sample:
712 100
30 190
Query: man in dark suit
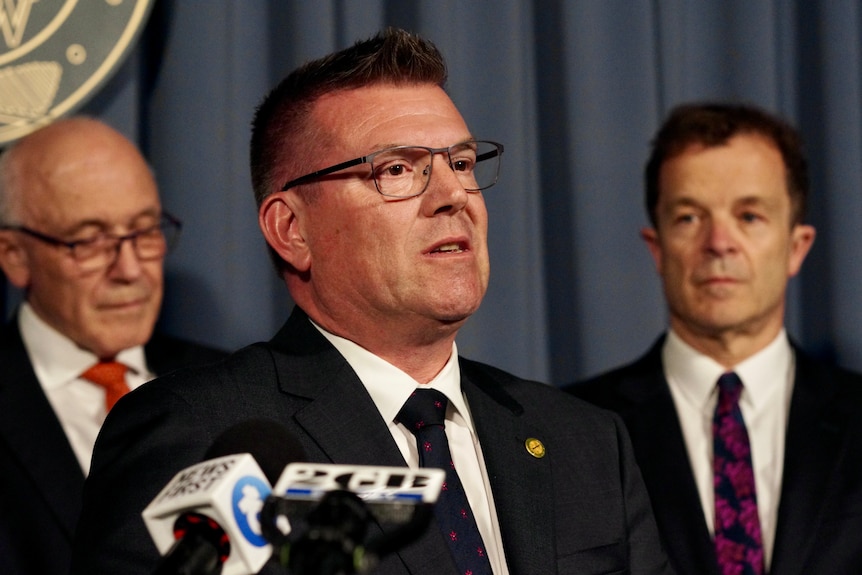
84 236
726 190
385 257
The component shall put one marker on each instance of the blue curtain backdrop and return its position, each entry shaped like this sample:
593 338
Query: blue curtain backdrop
575 90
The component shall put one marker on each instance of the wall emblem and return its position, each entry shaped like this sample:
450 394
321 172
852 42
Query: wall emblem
55 55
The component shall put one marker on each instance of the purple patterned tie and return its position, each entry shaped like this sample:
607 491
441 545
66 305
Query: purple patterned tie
423 414
738 543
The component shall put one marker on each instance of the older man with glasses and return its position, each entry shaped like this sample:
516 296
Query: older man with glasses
83 234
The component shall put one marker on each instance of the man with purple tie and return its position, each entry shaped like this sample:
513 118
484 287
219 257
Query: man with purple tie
749 447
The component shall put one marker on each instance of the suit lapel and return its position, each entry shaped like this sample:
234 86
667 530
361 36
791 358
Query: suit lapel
812 454
522 509
338 413
360 436
343 423
34 435
660 450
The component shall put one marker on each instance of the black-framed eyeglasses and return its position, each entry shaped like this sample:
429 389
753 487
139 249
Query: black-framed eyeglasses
404 171
101 251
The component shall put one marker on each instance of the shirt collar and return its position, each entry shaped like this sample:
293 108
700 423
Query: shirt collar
56 359
696 374
389 387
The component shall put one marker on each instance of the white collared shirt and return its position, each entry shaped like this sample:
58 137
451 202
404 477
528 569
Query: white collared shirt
389 388
767 379
58 362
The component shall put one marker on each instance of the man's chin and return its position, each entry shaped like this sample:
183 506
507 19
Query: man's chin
109 343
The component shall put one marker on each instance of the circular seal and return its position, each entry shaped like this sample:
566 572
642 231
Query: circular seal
55 54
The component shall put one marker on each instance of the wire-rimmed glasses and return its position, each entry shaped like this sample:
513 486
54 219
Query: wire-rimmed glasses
404 171
101 251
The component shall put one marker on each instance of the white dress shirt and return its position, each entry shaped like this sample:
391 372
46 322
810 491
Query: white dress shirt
58 362
767 379
390 387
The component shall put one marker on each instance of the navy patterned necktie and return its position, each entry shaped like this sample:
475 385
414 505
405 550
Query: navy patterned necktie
424 415
738 541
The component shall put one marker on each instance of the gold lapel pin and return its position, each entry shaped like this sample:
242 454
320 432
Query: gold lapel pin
535 447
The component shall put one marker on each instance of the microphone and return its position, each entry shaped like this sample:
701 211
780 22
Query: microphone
330 507
206 520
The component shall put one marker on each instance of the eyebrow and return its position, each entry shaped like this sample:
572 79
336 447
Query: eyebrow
755 200
683 202
152 212
745 201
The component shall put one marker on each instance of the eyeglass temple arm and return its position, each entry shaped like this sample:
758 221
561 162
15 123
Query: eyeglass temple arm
324 172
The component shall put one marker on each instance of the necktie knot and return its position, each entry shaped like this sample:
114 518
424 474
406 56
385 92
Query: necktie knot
111 375
424 407
729 391
730 384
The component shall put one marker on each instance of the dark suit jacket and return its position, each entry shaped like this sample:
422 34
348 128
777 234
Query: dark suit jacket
819 529
580 510
41 480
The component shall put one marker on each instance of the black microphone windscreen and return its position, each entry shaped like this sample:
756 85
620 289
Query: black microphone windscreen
269 442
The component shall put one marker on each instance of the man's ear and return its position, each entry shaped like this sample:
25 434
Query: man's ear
280 219
14 259
801 240
650 238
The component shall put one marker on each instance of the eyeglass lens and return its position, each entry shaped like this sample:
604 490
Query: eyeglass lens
148 244
405 171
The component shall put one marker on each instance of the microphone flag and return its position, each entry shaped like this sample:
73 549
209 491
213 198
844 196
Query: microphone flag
318 513
230 490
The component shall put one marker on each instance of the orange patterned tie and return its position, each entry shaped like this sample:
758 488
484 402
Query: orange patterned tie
112 376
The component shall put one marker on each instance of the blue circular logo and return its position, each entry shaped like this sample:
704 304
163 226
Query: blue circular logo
247 500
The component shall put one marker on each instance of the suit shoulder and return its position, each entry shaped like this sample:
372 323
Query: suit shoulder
601 388
538 399
492 379
182 345
166 353
649 362
215 365
827 377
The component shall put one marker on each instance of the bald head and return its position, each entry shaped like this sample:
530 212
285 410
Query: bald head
76 180
40 164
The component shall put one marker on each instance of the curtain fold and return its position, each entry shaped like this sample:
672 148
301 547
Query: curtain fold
574 89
